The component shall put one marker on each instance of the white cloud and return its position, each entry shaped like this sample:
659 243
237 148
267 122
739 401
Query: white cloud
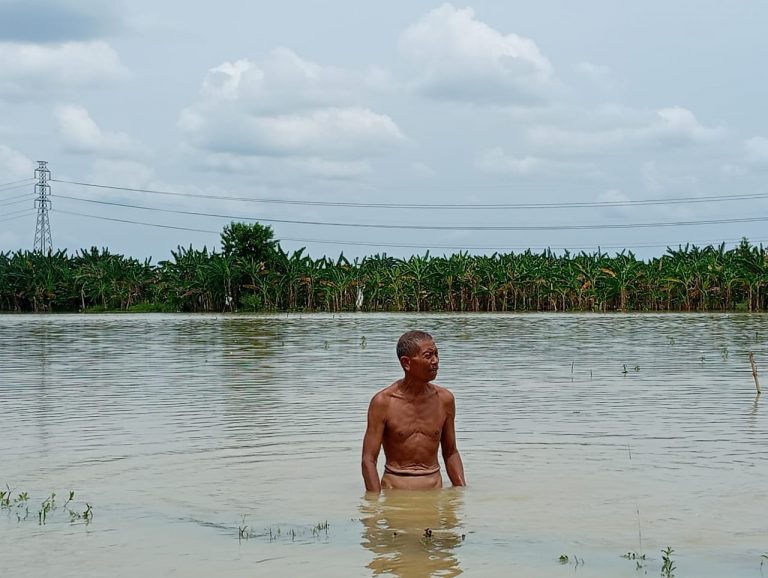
757 150
283 82
324 132
669 127
33 71
129 173
423 170
593 71
497 161
460 58
286 107
732 170
79 133
14 165
284 168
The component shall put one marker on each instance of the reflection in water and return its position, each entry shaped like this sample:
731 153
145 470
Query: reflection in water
414 533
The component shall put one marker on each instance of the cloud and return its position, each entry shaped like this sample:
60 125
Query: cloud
31 71
14 165
288 107
669 127
282 168
756 149
80 134
593 71
51 21
330 132
129 173
497 161
283 81
463 59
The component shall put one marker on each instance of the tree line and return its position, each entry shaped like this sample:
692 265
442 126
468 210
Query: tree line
252 272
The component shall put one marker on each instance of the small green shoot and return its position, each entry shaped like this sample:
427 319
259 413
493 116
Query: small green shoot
242 531
668 566
87 514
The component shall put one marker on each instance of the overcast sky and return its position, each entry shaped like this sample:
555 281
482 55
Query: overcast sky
412 102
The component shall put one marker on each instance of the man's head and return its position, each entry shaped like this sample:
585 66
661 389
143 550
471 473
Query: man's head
418 355
409 342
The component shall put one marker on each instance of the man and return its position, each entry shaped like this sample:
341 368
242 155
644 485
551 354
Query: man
411 418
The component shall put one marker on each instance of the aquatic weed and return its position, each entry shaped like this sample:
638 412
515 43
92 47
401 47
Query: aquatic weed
242 531
638 558
668 566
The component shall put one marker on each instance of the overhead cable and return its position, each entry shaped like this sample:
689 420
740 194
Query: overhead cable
598 226
27 212
433 206
15 182
3 189
412 246
26 199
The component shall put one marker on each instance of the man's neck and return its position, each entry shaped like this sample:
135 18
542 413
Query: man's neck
413 387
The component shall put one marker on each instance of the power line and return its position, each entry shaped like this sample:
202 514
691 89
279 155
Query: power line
24 200
18 216
502 206
28 179
406 245
3 189
135 222
599 226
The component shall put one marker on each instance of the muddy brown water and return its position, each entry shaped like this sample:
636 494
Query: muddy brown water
585 435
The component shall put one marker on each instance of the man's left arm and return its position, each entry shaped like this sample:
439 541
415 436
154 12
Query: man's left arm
451 457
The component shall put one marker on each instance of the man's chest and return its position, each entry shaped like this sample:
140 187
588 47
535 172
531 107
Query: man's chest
405 420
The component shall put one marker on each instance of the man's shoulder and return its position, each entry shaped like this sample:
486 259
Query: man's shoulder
383 396
443 392
445 396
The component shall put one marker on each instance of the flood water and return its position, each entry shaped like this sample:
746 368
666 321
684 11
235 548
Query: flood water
585 435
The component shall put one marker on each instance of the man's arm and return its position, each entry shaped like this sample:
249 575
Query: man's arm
451 457
374 434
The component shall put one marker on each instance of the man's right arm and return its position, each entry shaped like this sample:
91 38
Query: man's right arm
374 435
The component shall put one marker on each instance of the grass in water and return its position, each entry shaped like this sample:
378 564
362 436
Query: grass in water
639 559
668 566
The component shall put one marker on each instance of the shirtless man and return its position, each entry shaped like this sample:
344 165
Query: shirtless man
411 418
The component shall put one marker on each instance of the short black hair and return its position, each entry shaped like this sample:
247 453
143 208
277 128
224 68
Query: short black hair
408 343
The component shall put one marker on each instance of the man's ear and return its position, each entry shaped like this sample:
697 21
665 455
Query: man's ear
405 363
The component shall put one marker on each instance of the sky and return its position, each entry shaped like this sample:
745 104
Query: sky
397 127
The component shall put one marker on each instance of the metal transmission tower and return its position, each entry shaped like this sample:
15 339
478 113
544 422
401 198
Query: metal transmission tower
43 242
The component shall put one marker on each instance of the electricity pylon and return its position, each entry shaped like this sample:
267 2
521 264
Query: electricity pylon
43 242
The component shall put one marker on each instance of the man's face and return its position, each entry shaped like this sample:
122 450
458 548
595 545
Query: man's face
423 364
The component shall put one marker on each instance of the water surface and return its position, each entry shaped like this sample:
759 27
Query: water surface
585 435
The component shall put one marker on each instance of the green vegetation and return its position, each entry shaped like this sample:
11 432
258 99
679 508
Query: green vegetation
668 565
253 273
639 559
20 505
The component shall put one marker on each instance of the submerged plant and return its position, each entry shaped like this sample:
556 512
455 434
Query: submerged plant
88 513
242 531
565 559
668 566
638 558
